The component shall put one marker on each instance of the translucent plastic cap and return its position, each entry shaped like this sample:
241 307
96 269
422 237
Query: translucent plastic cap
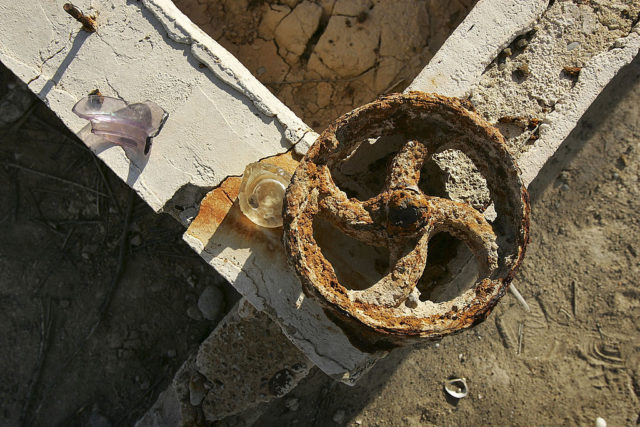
262 192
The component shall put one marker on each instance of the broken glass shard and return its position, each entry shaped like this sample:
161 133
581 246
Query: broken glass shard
128 125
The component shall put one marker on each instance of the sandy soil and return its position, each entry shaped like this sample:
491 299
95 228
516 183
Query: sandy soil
95 321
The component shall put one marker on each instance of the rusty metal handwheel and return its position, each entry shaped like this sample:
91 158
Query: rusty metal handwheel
403 218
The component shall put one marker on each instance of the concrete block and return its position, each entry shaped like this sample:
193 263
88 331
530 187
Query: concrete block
221 117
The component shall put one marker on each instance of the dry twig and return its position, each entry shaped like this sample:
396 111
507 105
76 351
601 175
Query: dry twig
46 322
46 175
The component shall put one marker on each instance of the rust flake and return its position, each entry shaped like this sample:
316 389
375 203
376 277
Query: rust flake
219 208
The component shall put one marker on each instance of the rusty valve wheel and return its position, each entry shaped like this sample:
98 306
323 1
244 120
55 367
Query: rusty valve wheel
403 218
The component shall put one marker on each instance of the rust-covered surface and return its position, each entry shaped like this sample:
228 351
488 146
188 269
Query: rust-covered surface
403 219
218 203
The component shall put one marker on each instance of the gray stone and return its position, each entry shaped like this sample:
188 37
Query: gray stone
211 303
338 417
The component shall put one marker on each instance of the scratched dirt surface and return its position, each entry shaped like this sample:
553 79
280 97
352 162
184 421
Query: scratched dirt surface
93 321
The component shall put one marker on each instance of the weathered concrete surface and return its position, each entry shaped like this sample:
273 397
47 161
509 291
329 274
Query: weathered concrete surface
252 258
490 27
228 374
221 117
525 78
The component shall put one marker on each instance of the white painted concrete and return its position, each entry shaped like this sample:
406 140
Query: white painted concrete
221 117
568 110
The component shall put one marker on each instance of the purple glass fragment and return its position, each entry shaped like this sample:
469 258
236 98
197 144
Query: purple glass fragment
128 125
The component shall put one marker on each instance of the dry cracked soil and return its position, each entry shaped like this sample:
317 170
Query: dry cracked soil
99 296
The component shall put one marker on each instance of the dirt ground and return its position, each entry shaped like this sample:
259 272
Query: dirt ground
93 321
99 296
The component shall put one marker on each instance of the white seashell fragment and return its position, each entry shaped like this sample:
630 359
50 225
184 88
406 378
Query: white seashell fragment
456 387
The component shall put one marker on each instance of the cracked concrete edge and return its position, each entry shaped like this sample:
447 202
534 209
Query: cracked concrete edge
488 29
592 80
229 70
250 258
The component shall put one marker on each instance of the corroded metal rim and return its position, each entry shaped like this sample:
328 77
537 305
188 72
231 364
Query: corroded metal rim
402 217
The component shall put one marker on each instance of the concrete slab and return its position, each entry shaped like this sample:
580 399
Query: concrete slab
463 58
221 118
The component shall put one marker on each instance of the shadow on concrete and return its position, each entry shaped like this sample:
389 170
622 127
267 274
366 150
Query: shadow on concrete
78 41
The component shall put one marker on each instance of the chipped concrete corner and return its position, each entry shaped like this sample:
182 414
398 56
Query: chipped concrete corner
531 80
226 68
488 29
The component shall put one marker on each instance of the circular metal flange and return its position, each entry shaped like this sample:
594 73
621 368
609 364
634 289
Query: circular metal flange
403 218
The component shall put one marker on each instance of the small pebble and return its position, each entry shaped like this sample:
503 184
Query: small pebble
136 240
211 302
522 71
522 43
96 419
600 422
292 404
573 45
194 313
338 417
197 391
564 187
